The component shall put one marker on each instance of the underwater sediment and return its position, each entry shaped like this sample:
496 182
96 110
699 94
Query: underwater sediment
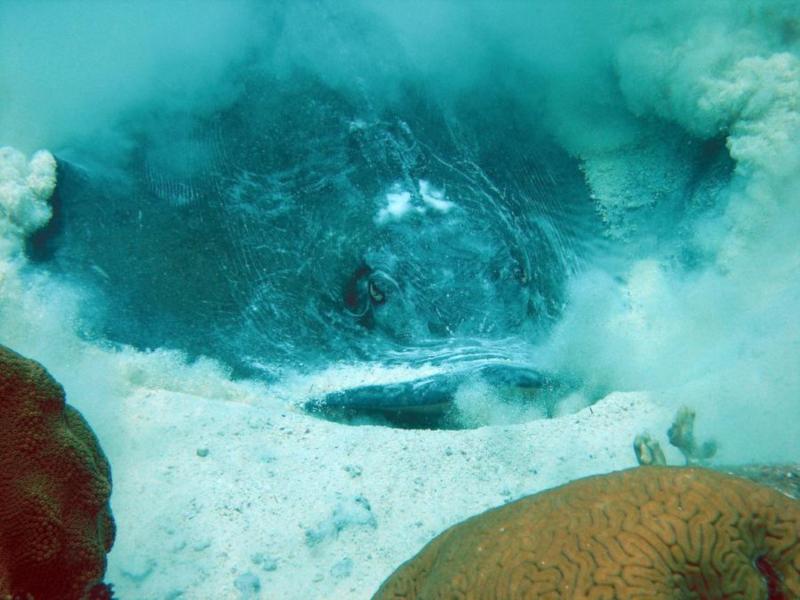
353 272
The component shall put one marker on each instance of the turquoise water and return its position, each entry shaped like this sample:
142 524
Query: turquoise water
369 211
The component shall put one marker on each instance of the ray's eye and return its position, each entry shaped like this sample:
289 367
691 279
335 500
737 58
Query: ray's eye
376 294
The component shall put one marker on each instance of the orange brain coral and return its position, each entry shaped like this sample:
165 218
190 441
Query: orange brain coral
55 522
651 532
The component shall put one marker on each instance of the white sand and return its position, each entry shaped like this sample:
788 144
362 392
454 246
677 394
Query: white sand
189 526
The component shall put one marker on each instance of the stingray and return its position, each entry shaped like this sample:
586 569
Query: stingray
300 226
430 401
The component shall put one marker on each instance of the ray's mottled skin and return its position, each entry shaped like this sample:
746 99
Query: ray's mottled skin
270 221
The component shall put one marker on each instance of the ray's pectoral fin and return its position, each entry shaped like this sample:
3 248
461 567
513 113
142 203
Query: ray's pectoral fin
425 401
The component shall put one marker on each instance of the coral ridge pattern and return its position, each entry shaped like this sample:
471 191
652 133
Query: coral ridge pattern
653 533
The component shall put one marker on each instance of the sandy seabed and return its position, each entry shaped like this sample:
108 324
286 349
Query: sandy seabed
226 500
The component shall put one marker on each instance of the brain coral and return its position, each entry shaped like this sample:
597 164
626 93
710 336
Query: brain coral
55 522
651 532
